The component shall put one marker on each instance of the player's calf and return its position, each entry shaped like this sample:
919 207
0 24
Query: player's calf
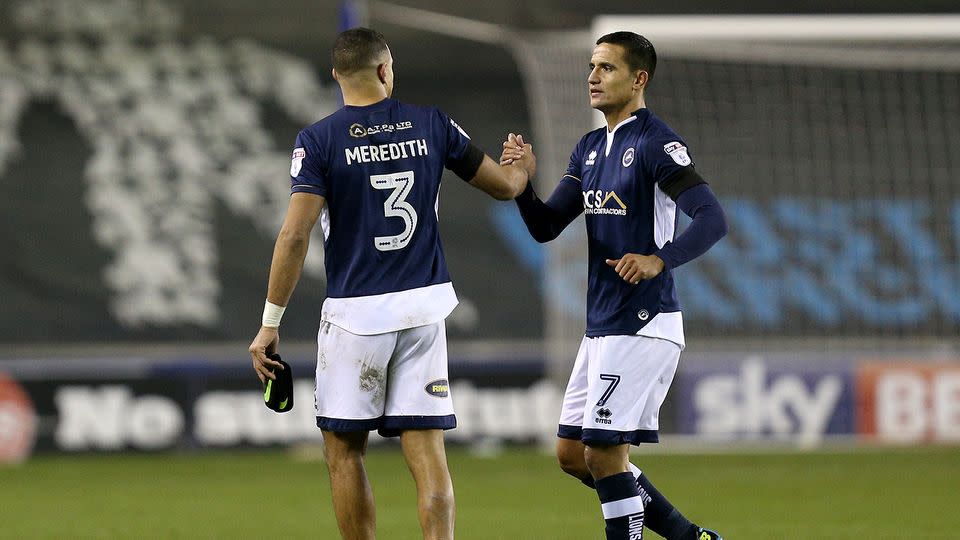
662 517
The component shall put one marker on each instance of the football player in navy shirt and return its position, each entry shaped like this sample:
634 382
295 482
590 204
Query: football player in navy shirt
370 173
628 178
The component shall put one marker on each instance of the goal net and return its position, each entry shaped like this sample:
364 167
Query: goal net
833 143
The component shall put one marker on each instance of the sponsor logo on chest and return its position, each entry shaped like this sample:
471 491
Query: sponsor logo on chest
600 202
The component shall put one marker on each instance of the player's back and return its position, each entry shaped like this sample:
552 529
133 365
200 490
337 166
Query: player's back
379 168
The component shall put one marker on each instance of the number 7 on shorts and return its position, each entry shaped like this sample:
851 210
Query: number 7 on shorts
614 381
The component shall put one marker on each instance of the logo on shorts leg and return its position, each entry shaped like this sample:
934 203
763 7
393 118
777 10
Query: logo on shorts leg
603 416
439 388
643 315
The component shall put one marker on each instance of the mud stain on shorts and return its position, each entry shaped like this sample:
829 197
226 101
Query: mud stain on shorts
371 378
322 360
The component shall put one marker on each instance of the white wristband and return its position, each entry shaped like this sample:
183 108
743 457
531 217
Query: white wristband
272 314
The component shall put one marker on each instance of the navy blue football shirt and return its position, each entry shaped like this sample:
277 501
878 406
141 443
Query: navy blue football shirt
624 177
379 168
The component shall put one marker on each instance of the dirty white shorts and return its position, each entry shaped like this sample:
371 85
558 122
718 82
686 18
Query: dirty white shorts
389 382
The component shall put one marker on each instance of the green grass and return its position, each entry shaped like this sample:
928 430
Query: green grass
869 494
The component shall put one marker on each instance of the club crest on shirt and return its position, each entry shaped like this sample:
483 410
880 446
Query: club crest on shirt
678 153
627 157
297 164
591 158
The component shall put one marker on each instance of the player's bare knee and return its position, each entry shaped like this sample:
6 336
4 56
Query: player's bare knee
603 461
438 501
572 463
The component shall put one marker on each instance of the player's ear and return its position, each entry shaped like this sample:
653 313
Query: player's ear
335 76
382 72
641 79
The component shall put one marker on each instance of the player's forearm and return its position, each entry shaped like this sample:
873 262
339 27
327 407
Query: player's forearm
515 181
709 225
288 256
546 220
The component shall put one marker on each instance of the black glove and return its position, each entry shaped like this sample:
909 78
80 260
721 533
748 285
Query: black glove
278 394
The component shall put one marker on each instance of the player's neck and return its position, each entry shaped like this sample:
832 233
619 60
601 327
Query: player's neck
616 116
359 97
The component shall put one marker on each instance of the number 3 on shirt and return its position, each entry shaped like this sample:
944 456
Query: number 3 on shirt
396 205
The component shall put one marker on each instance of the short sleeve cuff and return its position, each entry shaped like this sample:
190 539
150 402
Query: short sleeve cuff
308 188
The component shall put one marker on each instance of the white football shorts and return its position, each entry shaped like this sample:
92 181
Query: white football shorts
389 382
616 388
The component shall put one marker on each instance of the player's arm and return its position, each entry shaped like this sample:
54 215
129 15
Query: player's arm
544 220
502 182
473 166
694 197
547 219
289 253
708 225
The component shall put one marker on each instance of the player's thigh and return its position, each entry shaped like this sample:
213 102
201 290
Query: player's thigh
352 373
629 377
418 395
575 395
664 359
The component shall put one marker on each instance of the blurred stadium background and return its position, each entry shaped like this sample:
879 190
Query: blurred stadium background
143 154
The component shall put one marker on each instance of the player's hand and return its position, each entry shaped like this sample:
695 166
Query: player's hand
519 153
265 343
633 268
512 149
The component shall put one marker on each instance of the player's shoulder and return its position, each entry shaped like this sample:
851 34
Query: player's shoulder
422 111
428 117
322 129
653 131
591 137
340 127
659 143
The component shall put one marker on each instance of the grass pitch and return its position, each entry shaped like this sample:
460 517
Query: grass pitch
520 494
